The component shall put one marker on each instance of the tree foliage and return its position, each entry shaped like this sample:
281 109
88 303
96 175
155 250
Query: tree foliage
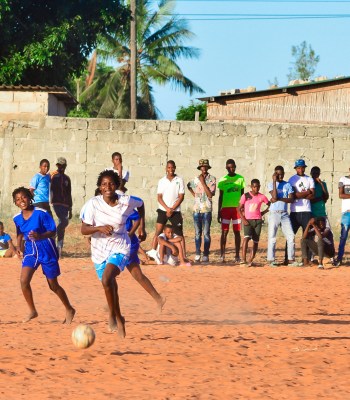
305 62
188 113
46 41
160 42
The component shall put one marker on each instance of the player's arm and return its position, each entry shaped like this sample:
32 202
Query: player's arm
11 246
40 236
179 200
221 194
20 244
267 209
162 203
142 227
342 194
166 243
207 191
135 225
309 225
90 230
241 214
190 189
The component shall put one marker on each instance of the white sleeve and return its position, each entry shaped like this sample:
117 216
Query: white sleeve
182 186
126 175
87 213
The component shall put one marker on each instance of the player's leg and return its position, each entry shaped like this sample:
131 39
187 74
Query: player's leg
25 279
236 226
225 226
62 295
142 279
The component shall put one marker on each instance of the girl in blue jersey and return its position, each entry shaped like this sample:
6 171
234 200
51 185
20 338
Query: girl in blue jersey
132 224
35 232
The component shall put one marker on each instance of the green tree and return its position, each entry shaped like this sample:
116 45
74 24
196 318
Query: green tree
188 113
305 62
160 43
46 41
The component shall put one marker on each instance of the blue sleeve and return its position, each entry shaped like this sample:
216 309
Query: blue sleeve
34 182
7 237
48 222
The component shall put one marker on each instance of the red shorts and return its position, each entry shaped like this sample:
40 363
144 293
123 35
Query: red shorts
228 214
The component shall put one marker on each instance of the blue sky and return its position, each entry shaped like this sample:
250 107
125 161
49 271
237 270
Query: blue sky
241 53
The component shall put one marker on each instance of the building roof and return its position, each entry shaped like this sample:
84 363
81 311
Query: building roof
60 92
283 89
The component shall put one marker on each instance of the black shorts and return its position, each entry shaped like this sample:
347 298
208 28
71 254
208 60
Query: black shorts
253 230
175 220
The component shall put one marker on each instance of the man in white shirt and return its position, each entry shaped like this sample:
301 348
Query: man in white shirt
170 193
123 173
344 195
304 191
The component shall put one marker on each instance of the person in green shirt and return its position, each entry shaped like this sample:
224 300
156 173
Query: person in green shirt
231 187
318 203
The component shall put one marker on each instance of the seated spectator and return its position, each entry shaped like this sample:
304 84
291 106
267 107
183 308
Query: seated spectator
7 249
170 248
323 246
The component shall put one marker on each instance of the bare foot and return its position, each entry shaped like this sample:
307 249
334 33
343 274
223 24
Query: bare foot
69 316
160 302
32 315
121 328
112 324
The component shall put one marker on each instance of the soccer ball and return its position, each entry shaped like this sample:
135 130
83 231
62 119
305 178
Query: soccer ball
83 336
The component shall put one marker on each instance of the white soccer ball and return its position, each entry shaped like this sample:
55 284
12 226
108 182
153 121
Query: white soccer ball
83 336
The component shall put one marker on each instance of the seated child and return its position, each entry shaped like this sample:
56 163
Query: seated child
170 248
324 245
7 249
251 215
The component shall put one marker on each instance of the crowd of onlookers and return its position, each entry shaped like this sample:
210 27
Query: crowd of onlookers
305 196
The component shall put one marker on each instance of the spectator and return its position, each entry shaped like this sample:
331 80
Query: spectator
61 199
202 188
7 249
40 186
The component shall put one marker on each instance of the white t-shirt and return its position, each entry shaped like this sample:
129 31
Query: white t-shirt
170 191
301 184
125 173
168 257
344 181
97 212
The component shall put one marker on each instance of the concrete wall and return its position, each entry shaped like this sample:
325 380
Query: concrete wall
147 145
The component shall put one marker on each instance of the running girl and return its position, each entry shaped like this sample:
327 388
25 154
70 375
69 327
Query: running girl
35 232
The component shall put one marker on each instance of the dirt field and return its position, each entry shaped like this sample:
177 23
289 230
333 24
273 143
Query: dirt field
226 332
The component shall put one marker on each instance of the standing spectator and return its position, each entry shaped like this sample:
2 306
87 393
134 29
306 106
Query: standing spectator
318 203
251 214
40 186
344 195
61 199
117 161
202 188
170 193
281 195
231 188
304 191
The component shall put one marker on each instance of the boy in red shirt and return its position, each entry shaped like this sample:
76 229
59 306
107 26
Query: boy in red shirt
251 215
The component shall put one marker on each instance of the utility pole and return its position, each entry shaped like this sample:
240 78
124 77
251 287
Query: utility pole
133 65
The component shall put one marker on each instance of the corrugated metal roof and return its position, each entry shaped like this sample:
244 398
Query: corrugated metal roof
60 92
280 89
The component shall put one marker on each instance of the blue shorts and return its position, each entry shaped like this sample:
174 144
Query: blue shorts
134 258
119 261
44 253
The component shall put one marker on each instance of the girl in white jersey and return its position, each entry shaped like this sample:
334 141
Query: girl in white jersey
104 218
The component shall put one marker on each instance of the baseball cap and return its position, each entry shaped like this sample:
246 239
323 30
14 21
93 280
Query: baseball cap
61 161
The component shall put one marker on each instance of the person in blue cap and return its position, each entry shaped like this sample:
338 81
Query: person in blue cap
304 191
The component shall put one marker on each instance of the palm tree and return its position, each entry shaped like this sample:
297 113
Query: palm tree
160 43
